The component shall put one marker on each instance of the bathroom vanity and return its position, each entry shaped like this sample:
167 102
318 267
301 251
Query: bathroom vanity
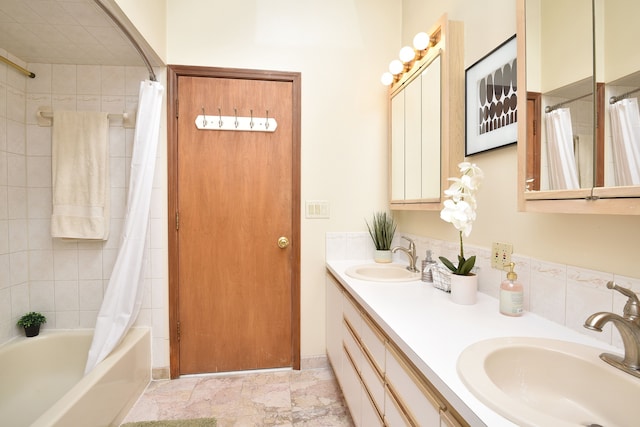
394 347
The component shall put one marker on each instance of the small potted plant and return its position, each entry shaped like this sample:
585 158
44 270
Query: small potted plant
381 230
31 323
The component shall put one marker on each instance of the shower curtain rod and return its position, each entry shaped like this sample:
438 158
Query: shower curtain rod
617 98
17 67
549 109
135 44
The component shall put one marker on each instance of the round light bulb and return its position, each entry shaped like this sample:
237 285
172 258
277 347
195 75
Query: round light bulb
396 67
421 41
407 54
386 78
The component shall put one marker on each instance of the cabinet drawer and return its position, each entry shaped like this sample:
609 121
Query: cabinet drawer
393 413
351 387
352 315
373 382
374 343
351 345
419 402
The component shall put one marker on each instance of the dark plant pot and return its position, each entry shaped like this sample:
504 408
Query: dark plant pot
32 330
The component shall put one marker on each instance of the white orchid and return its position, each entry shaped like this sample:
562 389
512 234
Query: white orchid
460 210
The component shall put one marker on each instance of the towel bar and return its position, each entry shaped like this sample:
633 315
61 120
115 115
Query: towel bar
45 117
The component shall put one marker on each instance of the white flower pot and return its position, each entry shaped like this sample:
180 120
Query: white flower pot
464 289
382 256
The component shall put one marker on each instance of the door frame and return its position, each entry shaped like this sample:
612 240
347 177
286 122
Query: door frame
173 74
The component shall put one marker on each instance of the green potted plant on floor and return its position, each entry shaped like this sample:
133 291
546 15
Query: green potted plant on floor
31 323
381 230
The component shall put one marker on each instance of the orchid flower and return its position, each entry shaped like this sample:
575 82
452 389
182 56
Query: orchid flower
460 210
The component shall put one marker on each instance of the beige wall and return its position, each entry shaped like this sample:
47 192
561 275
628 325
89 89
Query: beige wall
150 19
341 48
607 243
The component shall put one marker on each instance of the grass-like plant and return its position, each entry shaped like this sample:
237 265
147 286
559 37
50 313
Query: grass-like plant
381 230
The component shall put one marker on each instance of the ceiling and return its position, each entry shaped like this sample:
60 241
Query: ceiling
63 32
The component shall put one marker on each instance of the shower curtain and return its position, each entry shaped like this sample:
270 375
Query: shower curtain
625 141
123 297
563 174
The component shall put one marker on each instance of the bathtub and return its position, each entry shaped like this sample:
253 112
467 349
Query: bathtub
42 382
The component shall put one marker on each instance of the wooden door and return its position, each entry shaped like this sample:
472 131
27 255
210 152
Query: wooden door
236 291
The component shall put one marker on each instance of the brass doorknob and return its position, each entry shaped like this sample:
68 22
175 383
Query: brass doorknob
283 242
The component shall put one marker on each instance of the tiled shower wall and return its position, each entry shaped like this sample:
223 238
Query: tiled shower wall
561 293
66 279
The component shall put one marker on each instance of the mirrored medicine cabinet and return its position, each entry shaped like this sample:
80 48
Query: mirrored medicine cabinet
579 136
427 121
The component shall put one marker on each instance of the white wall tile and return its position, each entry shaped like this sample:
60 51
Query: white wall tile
39 200
4 168
90 294
90 264
40 234
67 319
42 82
65 265
587 294
15 137
18 271
39 141
4 237
64 102
16 170
36 101
89 79
39 171
66 294
42 296
18 235
113 80
64 79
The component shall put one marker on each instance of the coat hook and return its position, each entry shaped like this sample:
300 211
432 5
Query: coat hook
266 124
235 112
204 119
220 117
251 121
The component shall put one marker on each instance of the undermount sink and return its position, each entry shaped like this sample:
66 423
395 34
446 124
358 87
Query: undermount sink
382 273
545 382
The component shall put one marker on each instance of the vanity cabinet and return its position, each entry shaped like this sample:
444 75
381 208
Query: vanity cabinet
426 106
380 384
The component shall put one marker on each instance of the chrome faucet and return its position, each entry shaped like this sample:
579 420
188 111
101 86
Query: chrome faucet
411 254
629 327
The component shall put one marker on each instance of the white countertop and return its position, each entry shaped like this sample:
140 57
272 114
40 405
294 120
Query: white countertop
433 331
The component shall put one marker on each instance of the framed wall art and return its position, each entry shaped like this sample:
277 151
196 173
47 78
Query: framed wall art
491 100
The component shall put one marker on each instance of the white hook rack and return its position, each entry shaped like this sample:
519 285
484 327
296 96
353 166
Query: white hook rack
252 124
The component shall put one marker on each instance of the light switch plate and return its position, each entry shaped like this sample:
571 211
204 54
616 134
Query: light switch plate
318 209
501 255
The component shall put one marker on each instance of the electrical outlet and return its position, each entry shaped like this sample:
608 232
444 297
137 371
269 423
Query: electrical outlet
501 255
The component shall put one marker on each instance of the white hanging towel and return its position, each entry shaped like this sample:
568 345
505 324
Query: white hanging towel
80 175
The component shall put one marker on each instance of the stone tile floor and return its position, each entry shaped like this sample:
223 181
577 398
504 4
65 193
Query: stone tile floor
309 397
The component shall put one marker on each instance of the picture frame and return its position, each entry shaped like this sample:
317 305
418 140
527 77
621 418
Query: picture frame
491 114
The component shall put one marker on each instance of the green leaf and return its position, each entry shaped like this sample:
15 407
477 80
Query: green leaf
465 268
448 264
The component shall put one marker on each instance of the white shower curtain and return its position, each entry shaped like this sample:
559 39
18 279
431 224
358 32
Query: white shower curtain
563 174
625 141
123 297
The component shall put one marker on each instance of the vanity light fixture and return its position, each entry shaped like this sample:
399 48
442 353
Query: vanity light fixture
421 43
396 67
386 79
408 56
